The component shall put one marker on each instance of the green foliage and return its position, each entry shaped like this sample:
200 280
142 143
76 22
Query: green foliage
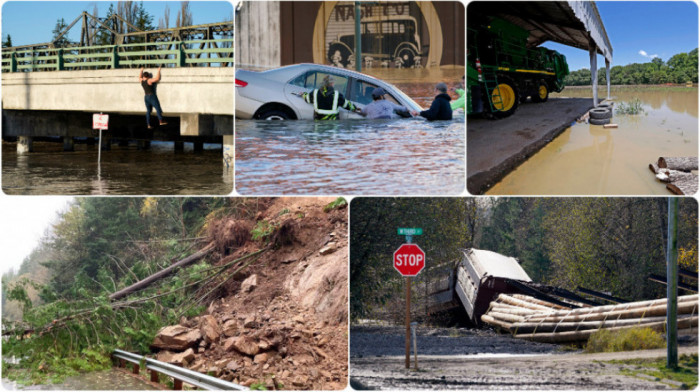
337 203
283 212
7 42
97 246
680 68
630 339
262 229
448 224
686 372
630 108
605 244
258 386
60 41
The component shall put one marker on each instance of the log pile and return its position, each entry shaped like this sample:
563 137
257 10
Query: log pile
677 173
528 318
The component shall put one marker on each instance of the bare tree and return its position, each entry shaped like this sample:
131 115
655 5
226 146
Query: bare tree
164 22
184 15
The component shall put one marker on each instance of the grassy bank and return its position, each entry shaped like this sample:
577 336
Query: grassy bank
686 373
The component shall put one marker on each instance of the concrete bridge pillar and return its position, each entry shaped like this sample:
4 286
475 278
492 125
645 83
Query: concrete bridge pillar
144 144
179 146
24 145
68 143
198 146
228 151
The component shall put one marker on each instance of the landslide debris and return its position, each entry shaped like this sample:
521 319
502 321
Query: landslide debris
282 322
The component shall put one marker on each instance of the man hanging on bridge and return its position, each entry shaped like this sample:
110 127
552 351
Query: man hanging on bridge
148 82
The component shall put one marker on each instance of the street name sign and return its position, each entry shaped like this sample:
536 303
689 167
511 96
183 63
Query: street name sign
410 231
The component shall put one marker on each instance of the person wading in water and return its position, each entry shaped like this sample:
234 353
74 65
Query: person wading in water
149 83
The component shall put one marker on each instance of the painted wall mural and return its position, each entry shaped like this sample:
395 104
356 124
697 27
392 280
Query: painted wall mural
394 34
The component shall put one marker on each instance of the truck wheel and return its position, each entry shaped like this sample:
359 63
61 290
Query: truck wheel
504 98
600 113
598 121
542 93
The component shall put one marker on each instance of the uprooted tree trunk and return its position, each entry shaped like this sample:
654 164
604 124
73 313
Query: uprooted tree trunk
140 285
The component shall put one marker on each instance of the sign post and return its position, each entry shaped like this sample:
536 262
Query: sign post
409 260
100 121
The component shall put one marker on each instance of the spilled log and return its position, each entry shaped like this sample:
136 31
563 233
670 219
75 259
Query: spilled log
517 316
143 283
685 164
573 336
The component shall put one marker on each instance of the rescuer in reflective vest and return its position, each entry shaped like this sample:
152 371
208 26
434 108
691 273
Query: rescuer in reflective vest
327 102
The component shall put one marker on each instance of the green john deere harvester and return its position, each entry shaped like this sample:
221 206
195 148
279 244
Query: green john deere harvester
502 72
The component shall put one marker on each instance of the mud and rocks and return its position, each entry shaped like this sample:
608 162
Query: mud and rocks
482 359
282 322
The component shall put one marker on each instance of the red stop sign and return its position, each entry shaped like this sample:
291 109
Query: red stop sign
409 259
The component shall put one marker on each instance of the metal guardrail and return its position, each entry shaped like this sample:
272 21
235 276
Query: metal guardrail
179 374
178 53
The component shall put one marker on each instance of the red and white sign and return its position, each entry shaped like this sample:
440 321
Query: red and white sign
100 121
409 259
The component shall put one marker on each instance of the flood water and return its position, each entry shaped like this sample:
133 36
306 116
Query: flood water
95 381
361 157
124 170
587 159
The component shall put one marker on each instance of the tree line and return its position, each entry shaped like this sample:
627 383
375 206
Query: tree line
680 68
605 244
131 12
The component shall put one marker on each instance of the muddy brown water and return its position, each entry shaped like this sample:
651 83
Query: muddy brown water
124 170
591 160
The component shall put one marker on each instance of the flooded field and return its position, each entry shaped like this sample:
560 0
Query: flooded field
362 157
124 171
588 159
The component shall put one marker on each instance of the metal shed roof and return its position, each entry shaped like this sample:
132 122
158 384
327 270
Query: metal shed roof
570 23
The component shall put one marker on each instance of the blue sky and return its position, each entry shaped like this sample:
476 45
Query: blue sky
30 22
661 28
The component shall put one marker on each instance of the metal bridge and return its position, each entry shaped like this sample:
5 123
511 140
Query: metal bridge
188 46
52 88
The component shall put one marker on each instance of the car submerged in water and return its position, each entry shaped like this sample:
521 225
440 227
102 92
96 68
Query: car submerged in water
276 94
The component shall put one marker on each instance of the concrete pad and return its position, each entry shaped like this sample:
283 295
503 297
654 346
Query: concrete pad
496 147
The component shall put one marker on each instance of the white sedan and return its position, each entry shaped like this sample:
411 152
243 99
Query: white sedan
276 94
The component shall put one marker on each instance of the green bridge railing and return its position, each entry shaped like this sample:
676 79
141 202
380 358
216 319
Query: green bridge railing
178 53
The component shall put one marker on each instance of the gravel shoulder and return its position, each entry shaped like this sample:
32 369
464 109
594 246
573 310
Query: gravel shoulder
482 359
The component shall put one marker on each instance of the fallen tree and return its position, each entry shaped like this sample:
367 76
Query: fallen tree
143 283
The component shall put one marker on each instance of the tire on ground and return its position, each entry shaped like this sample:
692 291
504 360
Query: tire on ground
598 121
600 113
605 105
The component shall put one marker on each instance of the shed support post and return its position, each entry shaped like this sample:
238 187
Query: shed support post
607 75
593 53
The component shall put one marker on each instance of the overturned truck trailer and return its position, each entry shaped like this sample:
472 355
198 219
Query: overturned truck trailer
481 275
494 289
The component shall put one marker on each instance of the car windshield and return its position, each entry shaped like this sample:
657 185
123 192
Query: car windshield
313 80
